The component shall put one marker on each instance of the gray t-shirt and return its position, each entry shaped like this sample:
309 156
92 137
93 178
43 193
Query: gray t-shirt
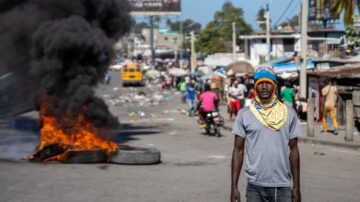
267 151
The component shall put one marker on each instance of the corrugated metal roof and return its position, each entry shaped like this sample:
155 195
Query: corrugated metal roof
344 71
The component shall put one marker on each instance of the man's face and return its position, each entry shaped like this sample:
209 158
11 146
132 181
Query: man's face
265 90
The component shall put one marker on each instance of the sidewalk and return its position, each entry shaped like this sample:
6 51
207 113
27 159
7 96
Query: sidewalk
329 138
320 138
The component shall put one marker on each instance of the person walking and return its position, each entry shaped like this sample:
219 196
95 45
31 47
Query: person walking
330 94
182 88
268 130
237 94
191 92
234 93
288 95
242 90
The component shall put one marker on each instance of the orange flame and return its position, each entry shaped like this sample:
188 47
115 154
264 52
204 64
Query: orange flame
83 136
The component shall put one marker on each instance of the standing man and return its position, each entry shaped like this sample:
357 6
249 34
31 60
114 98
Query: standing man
268 130
330 94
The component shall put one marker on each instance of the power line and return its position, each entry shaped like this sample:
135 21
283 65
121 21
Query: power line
292 12
283 14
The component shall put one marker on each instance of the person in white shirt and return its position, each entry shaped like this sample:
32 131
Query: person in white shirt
236 92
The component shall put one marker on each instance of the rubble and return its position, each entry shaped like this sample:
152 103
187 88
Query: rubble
140 99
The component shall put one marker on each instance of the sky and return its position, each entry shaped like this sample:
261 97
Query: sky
202 11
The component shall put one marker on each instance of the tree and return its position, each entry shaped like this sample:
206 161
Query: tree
139 26
292 22
188 26
217 35
261 19
346 6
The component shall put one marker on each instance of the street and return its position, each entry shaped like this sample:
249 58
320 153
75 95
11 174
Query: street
195 167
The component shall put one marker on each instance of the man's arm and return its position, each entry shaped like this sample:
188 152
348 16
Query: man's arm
236 164
295 169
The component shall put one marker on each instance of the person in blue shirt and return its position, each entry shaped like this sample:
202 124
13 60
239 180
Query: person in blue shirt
191 92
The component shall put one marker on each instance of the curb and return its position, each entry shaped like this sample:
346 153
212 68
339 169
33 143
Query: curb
327 143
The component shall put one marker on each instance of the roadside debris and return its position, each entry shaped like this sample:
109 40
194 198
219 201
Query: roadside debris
319 153
140 99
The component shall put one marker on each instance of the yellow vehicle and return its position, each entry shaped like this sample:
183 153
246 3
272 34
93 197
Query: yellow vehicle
131 74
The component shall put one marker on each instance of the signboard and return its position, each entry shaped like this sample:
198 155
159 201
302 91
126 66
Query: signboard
155 7
320 10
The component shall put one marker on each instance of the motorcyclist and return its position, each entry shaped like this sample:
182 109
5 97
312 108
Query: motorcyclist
208 102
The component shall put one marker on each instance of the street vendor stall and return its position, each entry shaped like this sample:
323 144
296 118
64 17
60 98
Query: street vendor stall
347 79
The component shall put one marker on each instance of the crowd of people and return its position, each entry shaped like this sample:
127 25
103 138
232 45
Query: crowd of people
237 92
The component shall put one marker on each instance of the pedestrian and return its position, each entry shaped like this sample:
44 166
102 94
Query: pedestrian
182 88
288 95
268 130
237 94
243 90
330 94
234 92
191 92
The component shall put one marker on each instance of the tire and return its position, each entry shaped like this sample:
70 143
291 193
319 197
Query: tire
208 129
136 156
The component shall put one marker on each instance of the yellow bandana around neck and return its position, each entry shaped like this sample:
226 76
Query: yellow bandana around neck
271 114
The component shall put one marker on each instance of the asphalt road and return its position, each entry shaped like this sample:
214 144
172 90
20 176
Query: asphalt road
195 167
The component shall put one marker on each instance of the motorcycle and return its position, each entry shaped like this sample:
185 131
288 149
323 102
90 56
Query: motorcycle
214 122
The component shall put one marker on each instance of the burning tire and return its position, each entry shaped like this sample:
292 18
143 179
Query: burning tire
136 156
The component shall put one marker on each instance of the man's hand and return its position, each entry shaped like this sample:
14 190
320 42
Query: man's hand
295 195
235 195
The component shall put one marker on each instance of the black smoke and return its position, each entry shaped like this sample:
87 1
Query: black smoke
59 50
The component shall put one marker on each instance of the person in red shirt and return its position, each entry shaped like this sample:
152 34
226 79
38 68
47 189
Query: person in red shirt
208 102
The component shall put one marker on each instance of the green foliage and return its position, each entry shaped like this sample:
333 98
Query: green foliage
217 35
188 25
261 19
139 26
352 36
338 6
292 22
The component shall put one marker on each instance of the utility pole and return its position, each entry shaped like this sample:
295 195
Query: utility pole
193 54
152 39
234 41
182 42
303 76
267 20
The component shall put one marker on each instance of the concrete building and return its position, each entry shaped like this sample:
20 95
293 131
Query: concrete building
163 39
320 44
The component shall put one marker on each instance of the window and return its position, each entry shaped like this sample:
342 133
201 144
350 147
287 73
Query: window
289 45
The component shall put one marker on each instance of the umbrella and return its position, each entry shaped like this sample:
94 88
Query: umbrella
240 67
177 72
211 75
152 73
